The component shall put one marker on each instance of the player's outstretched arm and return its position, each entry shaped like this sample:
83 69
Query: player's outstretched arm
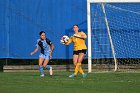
34 51
82 36
52 48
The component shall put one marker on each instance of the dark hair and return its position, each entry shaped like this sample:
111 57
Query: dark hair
41 32
75 25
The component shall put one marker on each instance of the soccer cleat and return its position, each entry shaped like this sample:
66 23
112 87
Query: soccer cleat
84 75
51 71
42 75
71 76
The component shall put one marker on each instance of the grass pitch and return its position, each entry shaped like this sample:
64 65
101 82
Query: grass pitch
60 83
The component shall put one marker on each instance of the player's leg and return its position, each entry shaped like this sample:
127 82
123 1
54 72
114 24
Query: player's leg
75 60
80 59
48 67
41 66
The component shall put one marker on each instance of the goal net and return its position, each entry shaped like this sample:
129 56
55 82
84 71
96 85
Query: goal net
113 35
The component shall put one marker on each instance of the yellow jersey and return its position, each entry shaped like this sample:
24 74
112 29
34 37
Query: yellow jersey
79 43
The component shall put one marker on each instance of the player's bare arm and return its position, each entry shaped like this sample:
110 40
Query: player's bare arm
52 48
82 36
34 51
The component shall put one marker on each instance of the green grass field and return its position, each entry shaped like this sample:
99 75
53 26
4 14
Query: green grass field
60 83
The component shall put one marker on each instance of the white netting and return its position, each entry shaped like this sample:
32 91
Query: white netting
124 24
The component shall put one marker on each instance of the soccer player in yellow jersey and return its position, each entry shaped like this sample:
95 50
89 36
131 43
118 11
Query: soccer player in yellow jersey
79 50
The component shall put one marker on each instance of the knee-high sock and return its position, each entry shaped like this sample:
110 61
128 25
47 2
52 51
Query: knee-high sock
76 68
80 69
48 67
41 70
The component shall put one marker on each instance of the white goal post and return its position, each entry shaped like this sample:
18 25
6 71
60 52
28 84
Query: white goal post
107 26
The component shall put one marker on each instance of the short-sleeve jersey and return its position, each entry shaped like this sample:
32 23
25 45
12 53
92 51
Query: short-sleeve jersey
44 45
79 44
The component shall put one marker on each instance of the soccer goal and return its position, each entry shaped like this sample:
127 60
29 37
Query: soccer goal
113 34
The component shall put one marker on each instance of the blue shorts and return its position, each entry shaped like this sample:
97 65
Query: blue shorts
44 56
